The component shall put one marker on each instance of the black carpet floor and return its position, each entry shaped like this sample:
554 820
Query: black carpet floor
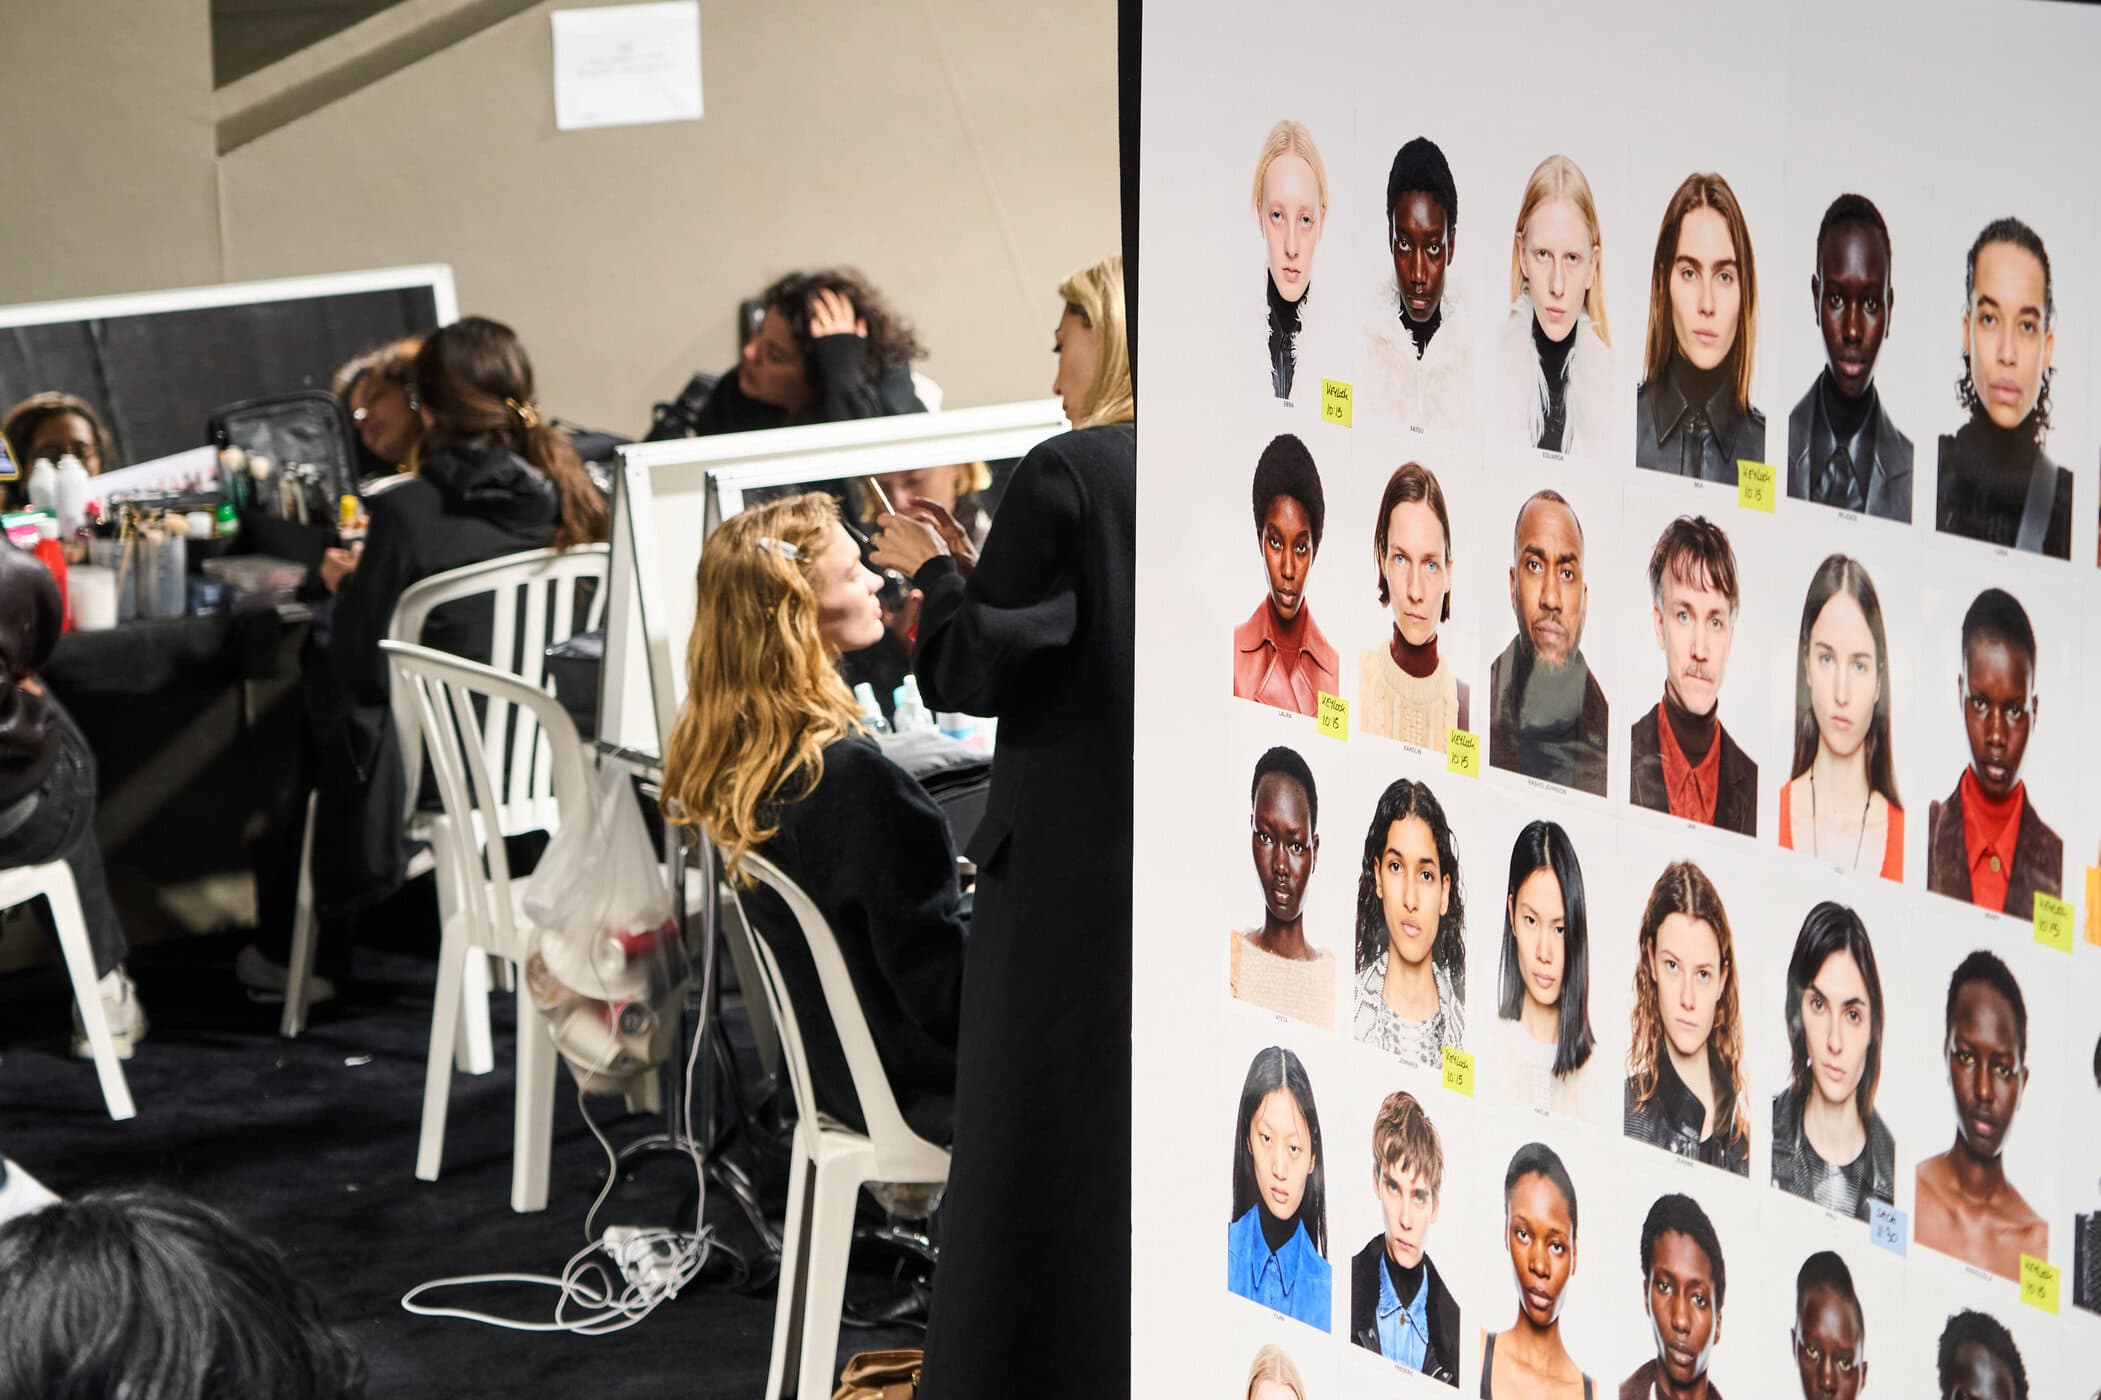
312 1143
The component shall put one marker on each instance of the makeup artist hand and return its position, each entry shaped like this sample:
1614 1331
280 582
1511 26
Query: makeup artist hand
905 543
337 565
951 531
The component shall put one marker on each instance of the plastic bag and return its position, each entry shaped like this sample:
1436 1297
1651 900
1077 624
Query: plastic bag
605 964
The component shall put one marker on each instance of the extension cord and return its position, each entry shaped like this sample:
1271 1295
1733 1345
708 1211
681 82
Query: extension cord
649 1259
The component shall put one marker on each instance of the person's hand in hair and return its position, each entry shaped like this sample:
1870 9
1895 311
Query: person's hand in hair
337 565
832 313
905 543
951 531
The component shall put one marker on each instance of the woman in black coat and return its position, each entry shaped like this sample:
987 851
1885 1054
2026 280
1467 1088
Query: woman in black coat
1040 635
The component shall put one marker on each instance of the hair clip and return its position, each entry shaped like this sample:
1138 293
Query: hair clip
781 547
528 414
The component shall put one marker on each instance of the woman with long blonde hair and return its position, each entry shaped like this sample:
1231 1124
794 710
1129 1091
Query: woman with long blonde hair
769 755
1554 369
1685 1087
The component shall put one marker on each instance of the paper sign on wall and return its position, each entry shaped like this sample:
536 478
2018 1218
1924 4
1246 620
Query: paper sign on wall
624 65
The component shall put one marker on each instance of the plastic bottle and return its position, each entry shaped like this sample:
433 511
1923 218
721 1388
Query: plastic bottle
871 713
43 486
226 522
908 711
71 496
49 550
955 724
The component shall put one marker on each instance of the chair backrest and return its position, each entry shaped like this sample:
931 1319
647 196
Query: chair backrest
775 989
887 1129
442 690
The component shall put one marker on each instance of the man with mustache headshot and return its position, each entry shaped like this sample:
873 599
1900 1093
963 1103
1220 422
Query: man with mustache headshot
1550 719
1842 450
1683 762
1683 1281
1421 357
1966 1206
1985 844
1831 1330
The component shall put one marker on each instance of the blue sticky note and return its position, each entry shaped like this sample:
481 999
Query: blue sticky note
1886 1227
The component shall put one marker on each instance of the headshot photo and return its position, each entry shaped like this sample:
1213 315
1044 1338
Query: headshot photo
1277 1245
1985 843
1399 1305
1419 363
1997 483
1272 965
1965 1205
1693 414
1550 718
1555 382
1842 450
1280 656
1291 208
1411 931
1831 1330
1545 1045
1685 1089
1840 801
1681 760
1405 690
1978 1360
2086 1239
1830 1146
1539 1229
1683 1283
1274 1376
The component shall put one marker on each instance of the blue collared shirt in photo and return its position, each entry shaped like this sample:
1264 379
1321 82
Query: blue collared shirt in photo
1293 1281
1404 1329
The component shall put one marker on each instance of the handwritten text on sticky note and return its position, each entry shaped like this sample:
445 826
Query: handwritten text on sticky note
1757 484
1886 1227
2053 922
2039 1283
1462 752
1335 402
1458 1071
1334 716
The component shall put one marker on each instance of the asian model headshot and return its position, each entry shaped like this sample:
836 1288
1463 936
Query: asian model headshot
1277 1245
1405 690
1529 1360
1985 843
1273 1375
1543 992
1683 1283
1831 1330
1840 800
1685 1089
1693 414
1842 450
1420 362
1399 1305
1274 966
1997 483
1291 208
1280 656
1978 1360
1966 1207
1681 760
1830 1146
1554 374
1411 931
1550 717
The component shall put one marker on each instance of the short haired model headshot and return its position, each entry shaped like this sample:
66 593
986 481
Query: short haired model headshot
1399 1304
1290 201
1997 481
1840 801
1543 988
1277 1244
1830 1146
1830 1333
1406 690
1549 717
1539 1229
1978 1360
1410 996
1273 965
1555 379
1681 760
1280 656
1273 1375
1685 1089
1965 1205
1842 449
1985 842
1693 414
1684 1282
1419 364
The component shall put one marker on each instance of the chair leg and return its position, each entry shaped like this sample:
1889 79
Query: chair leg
453 954
299 970
831 1237
794 1276
80 967
533 1135
475 1050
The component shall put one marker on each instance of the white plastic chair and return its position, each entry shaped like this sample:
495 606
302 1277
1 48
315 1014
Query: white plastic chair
54 881
536 588
482 911
830 1162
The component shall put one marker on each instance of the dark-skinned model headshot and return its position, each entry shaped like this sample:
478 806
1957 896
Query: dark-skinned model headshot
1273 965
1420 353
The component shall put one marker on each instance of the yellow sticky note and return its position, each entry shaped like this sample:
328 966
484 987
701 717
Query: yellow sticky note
2053 922
2039 1284
1335 402
1757 485
1334 716
1462 752
1459 1078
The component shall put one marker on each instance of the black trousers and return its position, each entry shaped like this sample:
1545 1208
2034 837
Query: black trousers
60 825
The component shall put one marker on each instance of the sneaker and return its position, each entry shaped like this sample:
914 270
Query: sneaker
21 1193
120 1007
265 978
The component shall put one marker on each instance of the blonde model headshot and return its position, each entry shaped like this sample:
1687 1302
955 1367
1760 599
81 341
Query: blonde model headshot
1291 208
1554 386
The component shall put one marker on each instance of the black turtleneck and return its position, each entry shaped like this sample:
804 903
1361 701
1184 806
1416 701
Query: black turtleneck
1275 1233
1406 1282
1846 416
1421 331
1553 364
1699 386
1284 317
1694 733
